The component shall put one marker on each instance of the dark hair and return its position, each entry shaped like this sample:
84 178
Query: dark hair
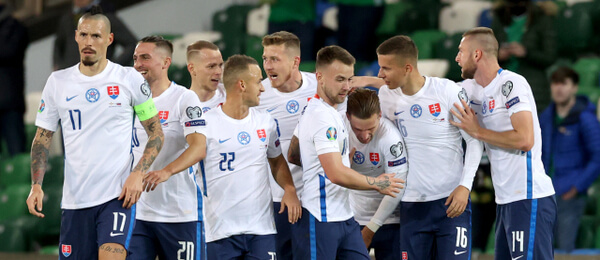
95 13
160 42
363 103
235 67
400 45
327 55
561 74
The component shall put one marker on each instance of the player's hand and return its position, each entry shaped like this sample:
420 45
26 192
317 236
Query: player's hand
367 235
132 189
35 200
458 200
294 207
386 184
153 178
467 119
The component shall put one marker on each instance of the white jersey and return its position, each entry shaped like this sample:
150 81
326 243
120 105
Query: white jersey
214 101
97 120
178 199
516 175
286 109
435 152
321 130
385 153
237 194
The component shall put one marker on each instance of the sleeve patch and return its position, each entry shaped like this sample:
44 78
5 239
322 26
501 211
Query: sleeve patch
193 112
331 134
512 102
397 149
507 87
199 122
462 95
145 88
397 162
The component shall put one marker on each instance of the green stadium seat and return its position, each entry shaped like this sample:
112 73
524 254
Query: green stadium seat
574 28
585 235
592 92
425 40
231 23
30 130
489 248
307 66
15 170
391 17
12 201
49 250
254 48
16 234
588 70
50 224
54 176
180 75
447 48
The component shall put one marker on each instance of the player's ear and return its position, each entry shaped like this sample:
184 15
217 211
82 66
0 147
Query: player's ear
111 38
167 62
242 84
190 68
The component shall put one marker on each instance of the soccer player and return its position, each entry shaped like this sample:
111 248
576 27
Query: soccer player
239 141
435 209
328 220
504 117
168 219
205 65
96 100
378 147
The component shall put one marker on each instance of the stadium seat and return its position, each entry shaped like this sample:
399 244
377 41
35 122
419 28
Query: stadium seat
489 248
12 201
585 235
254 48
588 70
425 40
592 92
180 75
258 21
391 17
52 213
231 23
447 49
30 130
15 170
369 70
485 19
423 15
574 28
461 16
16 234
433 67
307 66
49 250
55 172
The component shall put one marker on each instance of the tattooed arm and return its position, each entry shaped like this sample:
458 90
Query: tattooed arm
39 159
133 187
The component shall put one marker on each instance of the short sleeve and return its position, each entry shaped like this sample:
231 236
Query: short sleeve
454 95
393 148
324 134
274 148
140 89
516 95
190 113
47 114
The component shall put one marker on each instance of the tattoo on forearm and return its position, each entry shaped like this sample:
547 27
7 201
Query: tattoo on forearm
39 155
153 146
380 184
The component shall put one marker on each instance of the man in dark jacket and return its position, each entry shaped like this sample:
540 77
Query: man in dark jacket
571 151
13 42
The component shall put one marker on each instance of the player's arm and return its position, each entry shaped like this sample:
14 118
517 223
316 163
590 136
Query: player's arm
294 151
520 138
39 160
195 152
341 175
283 177
364 81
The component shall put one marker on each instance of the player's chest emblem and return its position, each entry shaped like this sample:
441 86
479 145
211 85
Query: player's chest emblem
261 135
484 107
435 109
292 106
92 95
243 138
416 111
374 158
491 105
164 116
113 91
358 158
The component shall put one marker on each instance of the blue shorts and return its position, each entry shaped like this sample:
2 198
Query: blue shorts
328 240
167 241
386 242
524 229
83 231
428 233
283 243
259 247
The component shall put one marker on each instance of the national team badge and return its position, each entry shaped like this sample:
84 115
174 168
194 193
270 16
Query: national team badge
261 134
113 91
416 111
358 158
492 105
66 250
163 115
42 106
484 107
404 255
331 134
507 87
374 158
244 138
397 149
292 106
92 95
435 109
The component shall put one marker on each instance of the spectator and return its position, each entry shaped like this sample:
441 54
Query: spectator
297 17
66 53
571 151
13 42
527 41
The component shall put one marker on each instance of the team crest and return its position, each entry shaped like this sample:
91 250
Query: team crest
492 105
331 134
462 95
397 149
261 134
358 157
42 106
374 157
507 88
163 115
193 112
416 111
145 88
404 255
292 106
92 95
243 138
484 107
113 91
66 250
435 109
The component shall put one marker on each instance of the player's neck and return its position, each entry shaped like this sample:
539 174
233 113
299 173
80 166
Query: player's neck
204 94
234 107
292 84
159 86
486 72
414 84
325 99
93 70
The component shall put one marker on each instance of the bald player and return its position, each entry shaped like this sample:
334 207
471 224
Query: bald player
504 116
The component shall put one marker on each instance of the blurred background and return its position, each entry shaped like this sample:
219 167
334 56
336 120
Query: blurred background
36 38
